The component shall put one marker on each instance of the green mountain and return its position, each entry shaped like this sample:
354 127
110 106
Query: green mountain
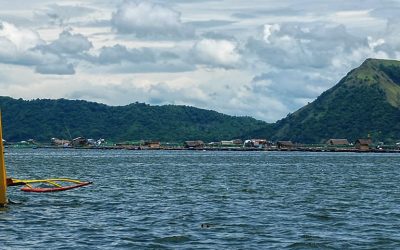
44 119
366 102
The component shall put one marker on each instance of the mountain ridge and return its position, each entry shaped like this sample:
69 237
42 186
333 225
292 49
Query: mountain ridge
42 119
364 103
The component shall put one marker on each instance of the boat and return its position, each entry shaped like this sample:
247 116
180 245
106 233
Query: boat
35 186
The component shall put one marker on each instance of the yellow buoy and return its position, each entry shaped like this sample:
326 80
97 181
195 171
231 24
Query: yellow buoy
3 174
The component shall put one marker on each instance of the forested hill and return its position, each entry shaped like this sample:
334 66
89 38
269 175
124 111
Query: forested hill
44 119
366 102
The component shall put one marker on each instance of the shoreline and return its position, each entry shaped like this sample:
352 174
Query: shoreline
233 149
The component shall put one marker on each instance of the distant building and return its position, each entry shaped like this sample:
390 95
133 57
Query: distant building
285 144
194 144
235 142
91 142
152 144
79 142
256 143
226 143
31 141
60 142
338 142
363 144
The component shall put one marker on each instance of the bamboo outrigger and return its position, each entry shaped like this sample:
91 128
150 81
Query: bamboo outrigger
52 185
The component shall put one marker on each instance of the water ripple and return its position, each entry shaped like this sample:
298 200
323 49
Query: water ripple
205 200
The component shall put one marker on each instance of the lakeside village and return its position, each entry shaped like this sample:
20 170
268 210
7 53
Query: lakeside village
331 145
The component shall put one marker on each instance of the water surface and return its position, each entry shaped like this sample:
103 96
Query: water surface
244 200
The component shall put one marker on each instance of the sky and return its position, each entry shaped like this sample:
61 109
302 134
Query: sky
258 58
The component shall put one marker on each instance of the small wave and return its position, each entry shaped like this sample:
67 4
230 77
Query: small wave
320 216
173 239
249 190
308 245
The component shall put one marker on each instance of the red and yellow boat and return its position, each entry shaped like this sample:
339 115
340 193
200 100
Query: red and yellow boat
35 186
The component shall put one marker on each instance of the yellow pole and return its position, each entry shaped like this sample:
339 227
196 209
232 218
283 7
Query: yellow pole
3 174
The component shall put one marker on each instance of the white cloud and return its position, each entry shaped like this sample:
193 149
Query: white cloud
119 53
301 60
21 39
293 45
292 87
237 57
269 29
149 20
8 50
21 46
219 53
62 14
393 33
68 43
56 69
17 45
119 59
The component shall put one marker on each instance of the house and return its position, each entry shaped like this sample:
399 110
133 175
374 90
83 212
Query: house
79 142
338 142
60 142
214 144
152 144
194 144
256 143
363 144
259 143
236 142
226 143
31 141
285 145
91 142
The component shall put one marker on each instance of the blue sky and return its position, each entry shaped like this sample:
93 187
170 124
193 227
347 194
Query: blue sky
263 59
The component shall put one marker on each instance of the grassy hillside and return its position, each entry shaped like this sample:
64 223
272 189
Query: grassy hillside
365 102
44 119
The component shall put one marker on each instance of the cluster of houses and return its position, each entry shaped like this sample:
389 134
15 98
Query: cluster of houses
77 142
360 144
251 143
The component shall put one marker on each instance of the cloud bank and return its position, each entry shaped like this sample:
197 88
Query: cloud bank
149 20
237 57
216 53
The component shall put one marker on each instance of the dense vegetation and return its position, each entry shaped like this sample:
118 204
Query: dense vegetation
364 103
44 119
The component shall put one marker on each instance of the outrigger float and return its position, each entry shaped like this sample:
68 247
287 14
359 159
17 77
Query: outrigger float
45 185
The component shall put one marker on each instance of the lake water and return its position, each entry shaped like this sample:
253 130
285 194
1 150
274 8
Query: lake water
248 200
